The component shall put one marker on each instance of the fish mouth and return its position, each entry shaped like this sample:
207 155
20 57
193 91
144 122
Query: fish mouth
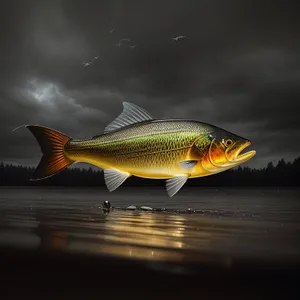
239 156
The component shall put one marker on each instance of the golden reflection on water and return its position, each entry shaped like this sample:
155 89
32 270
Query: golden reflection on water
136 235
147 229
141 235
144 235
132 234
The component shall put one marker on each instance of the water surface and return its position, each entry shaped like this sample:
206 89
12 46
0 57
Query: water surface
223 224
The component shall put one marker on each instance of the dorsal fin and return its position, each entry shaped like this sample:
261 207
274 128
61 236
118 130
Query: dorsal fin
131 114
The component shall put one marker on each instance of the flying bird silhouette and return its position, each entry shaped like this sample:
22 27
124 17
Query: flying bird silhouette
96 57
132 47
112 30
119 44
177 38
86 64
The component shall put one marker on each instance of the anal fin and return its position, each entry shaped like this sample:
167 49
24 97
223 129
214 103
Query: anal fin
173 185
114 178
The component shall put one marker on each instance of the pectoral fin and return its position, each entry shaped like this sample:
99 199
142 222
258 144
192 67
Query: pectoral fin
188 165
173 185
114 178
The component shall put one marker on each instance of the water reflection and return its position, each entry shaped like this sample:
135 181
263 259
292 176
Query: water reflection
145 235
131 234
148 229
134 234
51 237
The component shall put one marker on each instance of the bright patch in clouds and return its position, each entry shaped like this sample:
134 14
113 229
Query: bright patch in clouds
54 105
43 92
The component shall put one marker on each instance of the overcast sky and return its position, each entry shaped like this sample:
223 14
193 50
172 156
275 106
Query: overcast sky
238 68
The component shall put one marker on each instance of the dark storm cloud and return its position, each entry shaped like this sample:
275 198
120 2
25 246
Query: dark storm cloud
238 68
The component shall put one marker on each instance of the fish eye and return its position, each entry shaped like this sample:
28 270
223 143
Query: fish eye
228 142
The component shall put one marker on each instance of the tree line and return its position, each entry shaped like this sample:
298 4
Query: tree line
282 174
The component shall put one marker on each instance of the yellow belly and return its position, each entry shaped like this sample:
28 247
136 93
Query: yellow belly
149 156
160 165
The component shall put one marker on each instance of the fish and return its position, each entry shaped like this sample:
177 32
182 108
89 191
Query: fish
137 144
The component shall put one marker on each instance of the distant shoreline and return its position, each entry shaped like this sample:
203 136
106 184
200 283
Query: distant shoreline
283 174
154 187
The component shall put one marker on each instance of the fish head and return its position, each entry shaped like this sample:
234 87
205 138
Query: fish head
226 150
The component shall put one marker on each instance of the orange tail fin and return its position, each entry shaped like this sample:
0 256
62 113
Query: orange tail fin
52 145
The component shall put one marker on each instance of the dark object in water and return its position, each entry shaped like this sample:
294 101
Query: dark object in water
159 209
106 206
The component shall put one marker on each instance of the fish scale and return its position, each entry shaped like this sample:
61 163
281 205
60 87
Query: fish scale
141 149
